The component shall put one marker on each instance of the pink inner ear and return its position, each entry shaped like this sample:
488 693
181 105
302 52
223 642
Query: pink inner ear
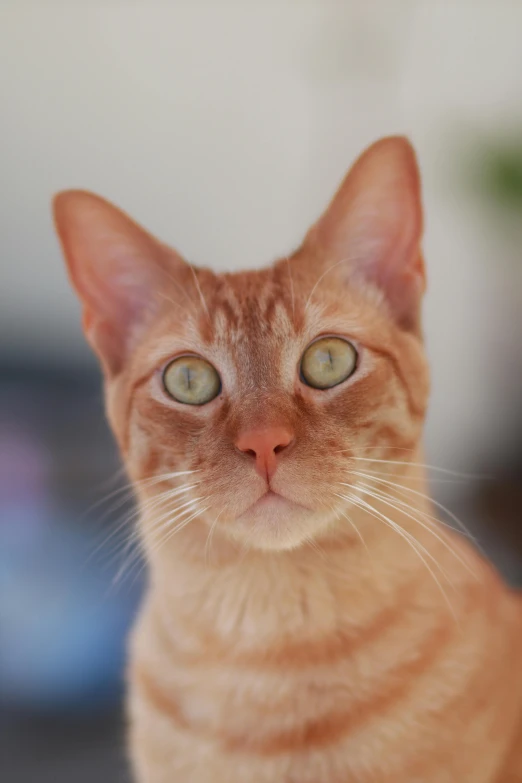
375 223
115 311
117 269
404 291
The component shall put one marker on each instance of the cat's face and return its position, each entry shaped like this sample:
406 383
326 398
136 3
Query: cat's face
263 391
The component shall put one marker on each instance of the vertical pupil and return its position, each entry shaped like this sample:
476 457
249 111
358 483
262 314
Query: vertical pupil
331 358
187 374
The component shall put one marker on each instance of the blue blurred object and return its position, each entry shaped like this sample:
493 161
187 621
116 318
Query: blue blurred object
62 623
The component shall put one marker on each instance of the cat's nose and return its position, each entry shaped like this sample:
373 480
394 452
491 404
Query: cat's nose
264 445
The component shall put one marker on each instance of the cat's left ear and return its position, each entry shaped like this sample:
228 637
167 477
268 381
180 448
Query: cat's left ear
117 269
373 228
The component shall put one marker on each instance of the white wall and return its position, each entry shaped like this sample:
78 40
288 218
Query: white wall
225 127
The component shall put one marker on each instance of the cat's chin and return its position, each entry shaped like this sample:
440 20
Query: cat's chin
276 523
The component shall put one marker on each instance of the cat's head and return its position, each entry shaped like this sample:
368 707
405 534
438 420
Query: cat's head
250 398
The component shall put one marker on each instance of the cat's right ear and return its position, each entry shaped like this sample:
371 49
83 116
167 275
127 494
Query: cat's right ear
117 269
372 229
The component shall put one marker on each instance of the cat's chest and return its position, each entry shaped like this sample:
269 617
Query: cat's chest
272 674
378 693
377 710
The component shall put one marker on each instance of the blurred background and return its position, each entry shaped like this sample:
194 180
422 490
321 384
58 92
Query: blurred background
225 127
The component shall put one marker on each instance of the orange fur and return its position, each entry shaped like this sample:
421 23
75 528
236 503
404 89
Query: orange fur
336 633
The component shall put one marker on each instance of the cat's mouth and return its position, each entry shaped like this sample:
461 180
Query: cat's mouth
271 503
274 522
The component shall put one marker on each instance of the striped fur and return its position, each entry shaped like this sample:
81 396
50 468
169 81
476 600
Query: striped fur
345 635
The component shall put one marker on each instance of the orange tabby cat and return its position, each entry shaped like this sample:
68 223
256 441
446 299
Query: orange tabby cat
308 619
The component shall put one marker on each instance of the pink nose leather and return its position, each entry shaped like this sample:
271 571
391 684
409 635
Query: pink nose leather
264 445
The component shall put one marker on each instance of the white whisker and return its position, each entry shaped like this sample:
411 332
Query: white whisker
434 520
368 490
166 520
357 532
309 541
401 487
180 288
129 487
455 473
410 539
208 542
180 526
431 479
200 292
171 516
323 275
137 511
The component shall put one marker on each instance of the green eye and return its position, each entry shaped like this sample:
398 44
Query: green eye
328 362
191 380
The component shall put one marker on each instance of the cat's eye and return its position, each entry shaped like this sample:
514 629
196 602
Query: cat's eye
328 362
191 380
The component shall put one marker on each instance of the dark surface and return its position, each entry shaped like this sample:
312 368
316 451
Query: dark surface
63 750
62 411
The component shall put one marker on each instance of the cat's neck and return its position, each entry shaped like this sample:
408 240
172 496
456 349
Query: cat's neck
390 547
